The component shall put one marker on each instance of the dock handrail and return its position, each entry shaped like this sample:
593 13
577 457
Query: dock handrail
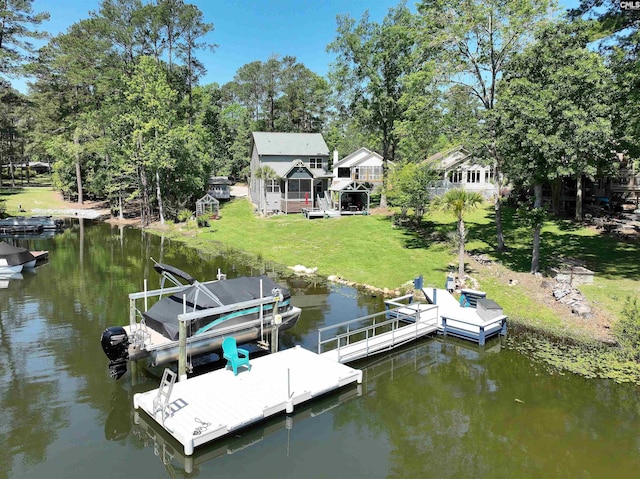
394 317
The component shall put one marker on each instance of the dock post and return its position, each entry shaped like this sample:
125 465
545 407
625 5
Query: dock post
504 327
277 320
289 403
444 326
274 335
182 350
482 336
182 343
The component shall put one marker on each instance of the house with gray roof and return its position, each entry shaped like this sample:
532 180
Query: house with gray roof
288 171
458 168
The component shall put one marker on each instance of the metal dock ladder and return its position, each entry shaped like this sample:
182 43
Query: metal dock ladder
161 401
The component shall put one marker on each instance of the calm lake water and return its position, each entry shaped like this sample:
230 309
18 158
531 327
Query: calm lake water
435 409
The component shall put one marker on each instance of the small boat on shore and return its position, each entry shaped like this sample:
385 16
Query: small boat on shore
246 308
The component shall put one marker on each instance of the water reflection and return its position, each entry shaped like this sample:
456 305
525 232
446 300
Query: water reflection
434 409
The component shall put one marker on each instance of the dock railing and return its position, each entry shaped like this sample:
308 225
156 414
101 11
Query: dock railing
365 329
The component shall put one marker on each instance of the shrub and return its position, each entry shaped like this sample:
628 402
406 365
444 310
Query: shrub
184 215
627 329
203 221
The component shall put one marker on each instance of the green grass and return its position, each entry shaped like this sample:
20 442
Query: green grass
363 249
615 261
30 198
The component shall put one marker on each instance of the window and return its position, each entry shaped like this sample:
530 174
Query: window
315 162
344 173
273 186
473 176
368 173
455 176
488 176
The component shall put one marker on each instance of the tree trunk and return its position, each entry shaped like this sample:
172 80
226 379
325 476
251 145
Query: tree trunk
159 197
461 238
264 197
146 208
12 172
556 190
497 207
76 143
535 254
120 212
497 204
579 196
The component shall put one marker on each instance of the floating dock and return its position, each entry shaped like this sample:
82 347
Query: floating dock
407 319
215 404
165 448
477 320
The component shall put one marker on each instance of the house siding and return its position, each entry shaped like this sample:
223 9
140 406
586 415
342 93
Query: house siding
284 166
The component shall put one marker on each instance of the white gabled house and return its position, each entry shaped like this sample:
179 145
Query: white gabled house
362 166
459 169
299 167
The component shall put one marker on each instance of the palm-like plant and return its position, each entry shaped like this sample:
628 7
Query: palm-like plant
459 202
265 173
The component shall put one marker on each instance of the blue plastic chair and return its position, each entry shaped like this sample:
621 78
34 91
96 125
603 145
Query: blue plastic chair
235 356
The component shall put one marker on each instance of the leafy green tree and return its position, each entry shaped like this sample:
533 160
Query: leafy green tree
474 42
70 87
552 116
408 186
459 202
282 95
17 20
372 61
151 114
13 130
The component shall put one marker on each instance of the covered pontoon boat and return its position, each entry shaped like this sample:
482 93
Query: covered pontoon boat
247 308
13 259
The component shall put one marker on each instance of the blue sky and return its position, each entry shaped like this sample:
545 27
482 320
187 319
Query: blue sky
249 30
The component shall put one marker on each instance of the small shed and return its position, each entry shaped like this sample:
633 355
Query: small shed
208 205
219 187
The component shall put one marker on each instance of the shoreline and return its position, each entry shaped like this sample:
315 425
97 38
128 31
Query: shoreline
596 328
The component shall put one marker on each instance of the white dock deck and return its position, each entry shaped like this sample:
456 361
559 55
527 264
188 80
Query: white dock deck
464 322
215 404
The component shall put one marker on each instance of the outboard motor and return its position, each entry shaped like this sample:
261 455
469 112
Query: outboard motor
115 344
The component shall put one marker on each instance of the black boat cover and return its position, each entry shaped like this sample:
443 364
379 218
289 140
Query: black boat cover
14 254
163 316
165 268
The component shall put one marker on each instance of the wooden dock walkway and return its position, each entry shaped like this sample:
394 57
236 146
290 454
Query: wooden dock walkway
215 404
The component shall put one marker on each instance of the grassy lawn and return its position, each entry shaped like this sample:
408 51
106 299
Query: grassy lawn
30 198
363 249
